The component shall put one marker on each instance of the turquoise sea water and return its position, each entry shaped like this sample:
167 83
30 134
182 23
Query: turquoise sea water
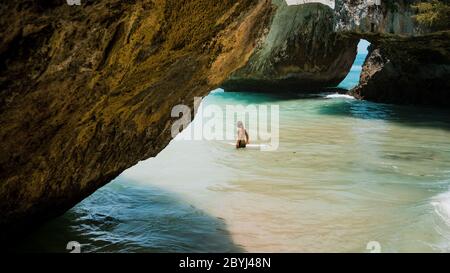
352 78
346 173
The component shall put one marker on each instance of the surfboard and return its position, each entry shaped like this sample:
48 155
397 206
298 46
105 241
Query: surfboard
251 146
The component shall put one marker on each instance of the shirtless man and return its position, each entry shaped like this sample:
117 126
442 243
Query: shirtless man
242 136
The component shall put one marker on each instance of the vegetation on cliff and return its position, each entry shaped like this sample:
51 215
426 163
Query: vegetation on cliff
433 15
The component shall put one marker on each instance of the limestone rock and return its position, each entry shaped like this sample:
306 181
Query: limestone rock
413 70
302 53
87 91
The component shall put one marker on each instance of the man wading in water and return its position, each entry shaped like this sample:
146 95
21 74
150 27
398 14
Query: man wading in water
242 136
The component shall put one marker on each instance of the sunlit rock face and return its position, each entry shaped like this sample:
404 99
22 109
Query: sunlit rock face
301 53
87 91
378 16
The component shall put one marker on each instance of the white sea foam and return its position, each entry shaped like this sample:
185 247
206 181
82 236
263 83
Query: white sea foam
218 90
339 96
441 204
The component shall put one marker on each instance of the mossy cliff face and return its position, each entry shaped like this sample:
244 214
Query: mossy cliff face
302 53
87 91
